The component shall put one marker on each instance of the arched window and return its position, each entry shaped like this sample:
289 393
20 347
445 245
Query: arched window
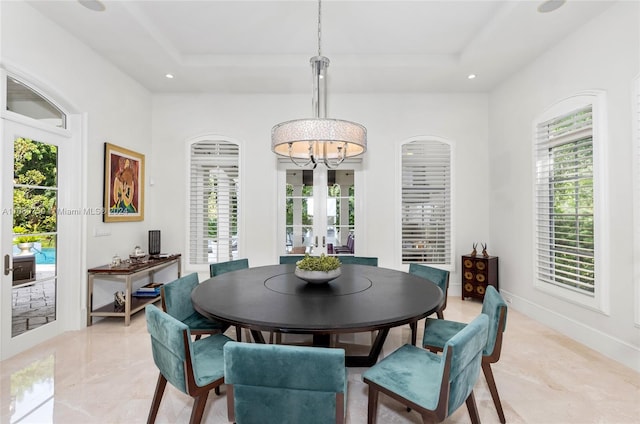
426 201
213 201
568 145
23 100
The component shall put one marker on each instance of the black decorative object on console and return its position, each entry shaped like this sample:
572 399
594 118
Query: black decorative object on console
154 242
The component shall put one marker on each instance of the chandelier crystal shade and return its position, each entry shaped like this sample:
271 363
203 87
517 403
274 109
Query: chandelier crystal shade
319 139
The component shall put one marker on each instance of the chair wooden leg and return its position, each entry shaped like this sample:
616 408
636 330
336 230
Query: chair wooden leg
414 332
440 314
231 413
199 402
473 409
491 382
372 410
217 390
157 397
238 333
198 336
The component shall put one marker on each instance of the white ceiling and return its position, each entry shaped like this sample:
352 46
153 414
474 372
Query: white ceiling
264 46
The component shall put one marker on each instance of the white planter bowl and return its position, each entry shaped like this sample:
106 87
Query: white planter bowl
317 277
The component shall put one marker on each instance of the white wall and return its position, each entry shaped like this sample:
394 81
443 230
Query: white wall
389 119
118 110
604 55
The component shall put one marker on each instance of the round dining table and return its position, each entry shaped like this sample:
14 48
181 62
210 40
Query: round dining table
363 298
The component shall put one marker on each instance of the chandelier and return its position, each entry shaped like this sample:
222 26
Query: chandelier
318 139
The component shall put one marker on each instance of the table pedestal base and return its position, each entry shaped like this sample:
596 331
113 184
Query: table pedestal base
324 340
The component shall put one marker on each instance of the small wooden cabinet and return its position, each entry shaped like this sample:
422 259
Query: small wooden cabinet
478 272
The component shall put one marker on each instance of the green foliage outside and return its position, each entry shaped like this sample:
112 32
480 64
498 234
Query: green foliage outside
572 218
35 178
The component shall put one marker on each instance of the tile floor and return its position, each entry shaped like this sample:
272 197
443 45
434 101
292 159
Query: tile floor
105 374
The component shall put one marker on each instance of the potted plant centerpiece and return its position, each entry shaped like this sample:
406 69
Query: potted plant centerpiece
318 269
24 242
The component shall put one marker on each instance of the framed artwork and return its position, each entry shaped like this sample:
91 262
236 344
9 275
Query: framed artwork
123 184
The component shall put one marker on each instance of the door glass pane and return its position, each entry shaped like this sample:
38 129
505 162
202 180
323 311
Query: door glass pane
299 207
35 194
340 211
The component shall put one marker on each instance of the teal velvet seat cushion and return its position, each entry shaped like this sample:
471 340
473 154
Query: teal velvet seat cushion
438 331
169 350
412 372
416 374
224 267
208 356
280 383
197 322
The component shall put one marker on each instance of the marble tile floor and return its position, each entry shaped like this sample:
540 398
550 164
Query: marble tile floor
105 374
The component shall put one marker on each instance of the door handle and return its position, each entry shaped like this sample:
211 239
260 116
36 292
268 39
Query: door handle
316 241
7 269
324 241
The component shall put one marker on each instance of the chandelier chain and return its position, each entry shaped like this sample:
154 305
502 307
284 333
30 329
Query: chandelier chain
319 27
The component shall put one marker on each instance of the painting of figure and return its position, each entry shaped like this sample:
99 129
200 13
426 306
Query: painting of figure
124 184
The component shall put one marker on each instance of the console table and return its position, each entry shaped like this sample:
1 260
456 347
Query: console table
125 273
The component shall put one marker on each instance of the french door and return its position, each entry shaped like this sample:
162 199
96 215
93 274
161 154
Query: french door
319 208
30 292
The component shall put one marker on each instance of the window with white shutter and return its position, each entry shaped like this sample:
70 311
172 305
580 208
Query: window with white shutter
213 201
566 210
426 202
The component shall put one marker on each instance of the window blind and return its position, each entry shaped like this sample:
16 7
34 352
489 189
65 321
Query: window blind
213 201
426 202
565 201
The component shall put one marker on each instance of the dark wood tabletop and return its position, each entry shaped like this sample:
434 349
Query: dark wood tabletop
363 298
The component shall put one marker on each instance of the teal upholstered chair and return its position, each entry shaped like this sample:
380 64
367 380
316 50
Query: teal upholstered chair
438 331
359 260
193 367
441 279
290 259
228 266
176 301
433 385
285 384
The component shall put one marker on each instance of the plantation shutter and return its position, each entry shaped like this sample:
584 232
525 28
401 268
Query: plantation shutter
213 203
565 201
426 202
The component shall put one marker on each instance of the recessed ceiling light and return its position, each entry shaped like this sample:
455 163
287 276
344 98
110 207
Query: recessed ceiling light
550 5
471 76
170 76
95 5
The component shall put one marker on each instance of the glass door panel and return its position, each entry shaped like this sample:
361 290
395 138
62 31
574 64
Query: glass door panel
35 199
300 212
320 209
340 209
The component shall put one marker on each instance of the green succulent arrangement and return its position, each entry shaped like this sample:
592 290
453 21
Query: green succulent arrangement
318 263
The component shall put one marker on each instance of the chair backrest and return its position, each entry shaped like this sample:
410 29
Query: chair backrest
463 357
351 243
171 349
290 259
222 267
176 296
438 276
281 383
495 308
359 260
